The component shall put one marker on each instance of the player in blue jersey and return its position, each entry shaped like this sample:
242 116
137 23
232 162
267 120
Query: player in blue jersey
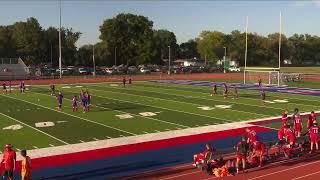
74 104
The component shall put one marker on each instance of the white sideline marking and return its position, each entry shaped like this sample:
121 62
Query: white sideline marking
70 114
34 128
51 145
287 169
81 141
145 132
301 177
35 147
96 139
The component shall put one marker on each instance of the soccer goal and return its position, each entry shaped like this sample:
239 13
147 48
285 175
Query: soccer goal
267 76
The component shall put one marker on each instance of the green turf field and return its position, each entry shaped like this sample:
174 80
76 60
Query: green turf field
145 107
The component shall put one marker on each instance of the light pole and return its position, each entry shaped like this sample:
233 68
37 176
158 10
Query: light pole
169 60
224 59
60 63
115 56
94 62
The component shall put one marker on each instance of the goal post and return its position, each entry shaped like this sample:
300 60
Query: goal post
268 76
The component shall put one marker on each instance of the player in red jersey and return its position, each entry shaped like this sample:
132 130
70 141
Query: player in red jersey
314 136
285 117
263 96
297 121
311 118
241 154
260 81
259 148
199 158
290 138
214 90
281 133
252 135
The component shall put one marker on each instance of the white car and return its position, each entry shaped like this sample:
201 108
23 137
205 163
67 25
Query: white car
234 69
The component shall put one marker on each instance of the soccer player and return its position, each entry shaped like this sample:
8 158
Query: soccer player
252 136
130 81
290 140
263 97
311 118
59 99
88 100
259 148
22 87
4 86
199 158
9 86
241 154
214 90
74 104
52 89
225 91
285 117
235 92
260 81
124 81
26 169
9 162
314 136
297 121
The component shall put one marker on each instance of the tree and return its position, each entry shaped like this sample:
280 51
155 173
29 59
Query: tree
131 34
189 50
210 45
162 40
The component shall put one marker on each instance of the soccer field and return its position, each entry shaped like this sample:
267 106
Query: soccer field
32 121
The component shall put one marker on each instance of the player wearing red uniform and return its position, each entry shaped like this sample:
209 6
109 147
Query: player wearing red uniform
314 136
281 133
312 117
285 117
124 81
297 122
199 158
290 138
260 81
241 154
252 135
259 148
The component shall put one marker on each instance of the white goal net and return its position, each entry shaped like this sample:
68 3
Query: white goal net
267 77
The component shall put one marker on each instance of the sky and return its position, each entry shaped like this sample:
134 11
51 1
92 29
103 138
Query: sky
185 18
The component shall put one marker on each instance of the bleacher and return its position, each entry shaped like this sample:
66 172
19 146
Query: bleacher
13 69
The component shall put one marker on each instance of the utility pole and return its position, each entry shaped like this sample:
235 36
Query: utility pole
60 61
94 62
169 60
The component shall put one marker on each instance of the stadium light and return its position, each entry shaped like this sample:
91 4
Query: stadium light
60 61
169 60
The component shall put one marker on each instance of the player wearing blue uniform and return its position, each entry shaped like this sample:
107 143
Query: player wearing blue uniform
235 92
59 99
225 90
74 104
52 89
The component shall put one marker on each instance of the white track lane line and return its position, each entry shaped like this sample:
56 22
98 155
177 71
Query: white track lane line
307 175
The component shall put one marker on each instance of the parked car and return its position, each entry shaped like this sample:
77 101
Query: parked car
234 69
145 70
65 71
83 71
132 69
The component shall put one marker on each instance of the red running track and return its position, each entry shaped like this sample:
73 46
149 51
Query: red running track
306 168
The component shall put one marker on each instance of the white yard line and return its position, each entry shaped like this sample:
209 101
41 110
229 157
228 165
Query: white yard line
71 114
158 107
129 113
183 101
34 128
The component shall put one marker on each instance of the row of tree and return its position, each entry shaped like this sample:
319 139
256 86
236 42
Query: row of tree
131 40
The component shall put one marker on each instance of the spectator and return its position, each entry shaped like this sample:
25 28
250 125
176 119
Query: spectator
26 169
9 161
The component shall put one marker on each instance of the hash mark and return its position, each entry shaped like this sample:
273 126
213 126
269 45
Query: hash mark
81 141
96 139
36 147
51 145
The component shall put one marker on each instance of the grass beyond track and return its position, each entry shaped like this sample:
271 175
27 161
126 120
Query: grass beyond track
145 107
